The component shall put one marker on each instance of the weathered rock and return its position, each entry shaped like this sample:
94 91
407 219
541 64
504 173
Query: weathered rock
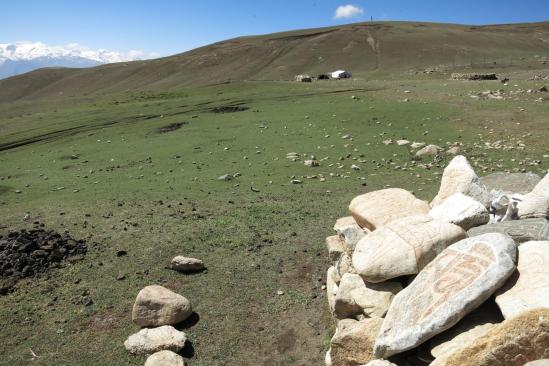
352 344
460 341
459 177
520 230
165 358
461 278
514 342
374 209
472 325
311 163
402 142
461 210
156 305
544 362
152 340
417 145
528 288
536 203
454 150
187 264
355 297
510 182
331 287
429 150
403 247
344 265
336 247
348 229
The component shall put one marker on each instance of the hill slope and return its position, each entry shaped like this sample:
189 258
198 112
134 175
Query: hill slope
361 48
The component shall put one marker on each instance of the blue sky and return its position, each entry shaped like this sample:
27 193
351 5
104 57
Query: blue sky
169 27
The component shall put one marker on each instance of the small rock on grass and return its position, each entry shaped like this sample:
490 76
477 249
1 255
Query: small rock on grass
148 341
186 264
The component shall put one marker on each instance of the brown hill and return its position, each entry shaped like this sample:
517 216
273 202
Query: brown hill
362 48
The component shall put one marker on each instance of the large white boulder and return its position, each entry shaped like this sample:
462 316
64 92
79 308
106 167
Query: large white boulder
461 278
461 210
536 203
357 297
459 177
377 208
403 247
528 288
156 305
151 340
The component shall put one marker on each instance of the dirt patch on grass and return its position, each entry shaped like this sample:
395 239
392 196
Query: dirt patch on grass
106 322
230 109
171 127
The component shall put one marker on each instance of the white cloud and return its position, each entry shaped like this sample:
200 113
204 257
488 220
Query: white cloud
347 11
31 50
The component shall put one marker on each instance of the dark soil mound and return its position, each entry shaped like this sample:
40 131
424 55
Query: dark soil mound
229 109
28 253
171 127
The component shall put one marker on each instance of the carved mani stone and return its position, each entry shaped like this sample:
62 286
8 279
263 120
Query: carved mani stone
461 278
403 247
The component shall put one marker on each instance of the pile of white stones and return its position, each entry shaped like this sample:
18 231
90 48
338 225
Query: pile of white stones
157 309
413 283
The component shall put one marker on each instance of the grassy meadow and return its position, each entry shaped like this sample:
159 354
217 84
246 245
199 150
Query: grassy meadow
98 167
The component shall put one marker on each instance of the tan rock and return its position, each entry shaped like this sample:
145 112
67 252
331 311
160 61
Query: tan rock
349 231
528 288
156 305
514 342
355 297
403 247
187 264
165 358
380 363
344 265
353 342
336 247
459 177
148 341
461 278
377 208
544 362
536 203
443 351
429 150
461 210
331 287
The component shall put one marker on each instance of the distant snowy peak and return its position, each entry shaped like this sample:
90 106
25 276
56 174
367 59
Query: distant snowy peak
19 57
32 50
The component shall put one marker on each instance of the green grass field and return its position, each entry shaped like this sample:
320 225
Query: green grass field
99 169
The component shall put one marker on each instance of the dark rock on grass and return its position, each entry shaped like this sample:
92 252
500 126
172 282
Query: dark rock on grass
29 253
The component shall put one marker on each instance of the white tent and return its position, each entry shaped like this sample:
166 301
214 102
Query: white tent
341 74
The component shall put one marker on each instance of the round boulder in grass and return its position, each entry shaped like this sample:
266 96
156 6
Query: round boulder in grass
165 358
156 305
187 264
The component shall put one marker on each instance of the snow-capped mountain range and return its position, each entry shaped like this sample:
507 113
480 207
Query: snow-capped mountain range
20 57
